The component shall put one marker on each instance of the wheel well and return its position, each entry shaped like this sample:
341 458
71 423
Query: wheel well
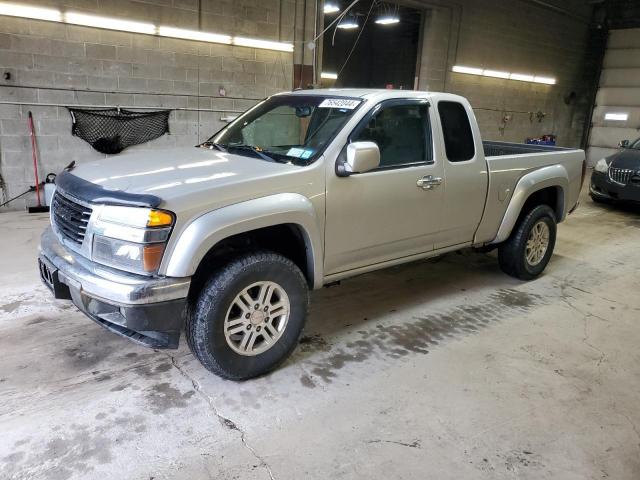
551 196
287 239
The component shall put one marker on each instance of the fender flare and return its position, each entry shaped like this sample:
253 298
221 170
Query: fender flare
203 233
550 176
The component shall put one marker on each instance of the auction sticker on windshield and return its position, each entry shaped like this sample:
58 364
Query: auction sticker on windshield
344 103
299 153
295 152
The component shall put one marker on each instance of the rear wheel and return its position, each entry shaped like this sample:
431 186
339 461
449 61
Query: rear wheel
528 250
248 317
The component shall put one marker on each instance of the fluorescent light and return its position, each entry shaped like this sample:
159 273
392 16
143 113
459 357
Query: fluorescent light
470 70
349 22
521 76
193 35
547 80
15 10
495 74
109 23
507 75
269 45
329 76
75 18
621 117
348 25
331 8
387 20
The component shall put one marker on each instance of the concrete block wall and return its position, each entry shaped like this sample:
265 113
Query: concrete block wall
517 36
53 64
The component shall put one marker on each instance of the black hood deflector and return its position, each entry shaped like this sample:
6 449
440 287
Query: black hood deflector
93 193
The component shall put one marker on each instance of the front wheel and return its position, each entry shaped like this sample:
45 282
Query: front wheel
248 317
528 250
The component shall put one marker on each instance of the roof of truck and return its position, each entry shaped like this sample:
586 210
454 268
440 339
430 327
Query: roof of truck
361 92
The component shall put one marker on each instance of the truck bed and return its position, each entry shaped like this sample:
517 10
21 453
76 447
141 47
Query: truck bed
508 162
497 149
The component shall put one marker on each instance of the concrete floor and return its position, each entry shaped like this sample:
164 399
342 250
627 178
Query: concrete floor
444 369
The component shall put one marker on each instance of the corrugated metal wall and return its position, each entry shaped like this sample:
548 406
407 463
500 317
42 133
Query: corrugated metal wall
618 92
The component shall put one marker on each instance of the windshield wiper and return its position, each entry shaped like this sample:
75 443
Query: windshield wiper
251 148
209 143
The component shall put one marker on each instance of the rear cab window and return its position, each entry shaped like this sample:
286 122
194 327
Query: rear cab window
456 130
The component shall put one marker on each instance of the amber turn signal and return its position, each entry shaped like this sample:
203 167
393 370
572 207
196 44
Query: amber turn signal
152 256
159 218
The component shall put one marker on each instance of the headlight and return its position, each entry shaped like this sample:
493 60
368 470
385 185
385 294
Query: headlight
131 239
136 217
602 166
129 256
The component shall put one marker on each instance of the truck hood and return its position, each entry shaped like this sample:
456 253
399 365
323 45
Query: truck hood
182 173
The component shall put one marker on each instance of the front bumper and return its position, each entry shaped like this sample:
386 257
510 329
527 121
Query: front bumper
603 188
149 311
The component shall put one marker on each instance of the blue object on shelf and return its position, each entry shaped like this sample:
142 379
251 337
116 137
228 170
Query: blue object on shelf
543 140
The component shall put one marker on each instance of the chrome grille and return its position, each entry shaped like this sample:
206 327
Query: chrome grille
620 175
70 218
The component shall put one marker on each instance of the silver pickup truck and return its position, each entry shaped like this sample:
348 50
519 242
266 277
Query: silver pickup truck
226 239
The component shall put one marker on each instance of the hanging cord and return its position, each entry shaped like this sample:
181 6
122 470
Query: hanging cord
358 38
303 41
338 18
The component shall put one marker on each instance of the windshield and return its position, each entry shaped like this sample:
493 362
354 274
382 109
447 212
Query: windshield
286 128
635 144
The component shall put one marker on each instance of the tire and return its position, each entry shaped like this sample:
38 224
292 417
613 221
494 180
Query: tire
512 254
219 306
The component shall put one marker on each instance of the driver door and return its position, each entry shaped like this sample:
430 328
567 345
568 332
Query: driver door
384 214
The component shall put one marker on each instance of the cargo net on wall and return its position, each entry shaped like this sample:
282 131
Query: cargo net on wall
111 130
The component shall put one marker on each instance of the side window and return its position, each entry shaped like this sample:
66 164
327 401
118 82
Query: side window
458 139
402 133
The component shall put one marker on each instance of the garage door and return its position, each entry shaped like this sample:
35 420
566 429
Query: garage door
617 112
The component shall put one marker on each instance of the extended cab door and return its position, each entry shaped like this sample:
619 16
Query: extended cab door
394 210
465 169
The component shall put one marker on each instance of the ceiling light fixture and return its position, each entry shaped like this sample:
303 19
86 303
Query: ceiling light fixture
329 76
267 44
495 74
15 10
331 7
469 70
349 22
387 20
521 76
547 80
620 117
193 35
389 15
109 23
76 18
505 75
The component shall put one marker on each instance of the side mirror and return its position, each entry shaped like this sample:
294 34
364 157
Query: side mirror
624 144
362 157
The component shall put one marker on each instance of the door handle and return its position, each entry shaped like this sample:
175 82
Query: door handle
428 182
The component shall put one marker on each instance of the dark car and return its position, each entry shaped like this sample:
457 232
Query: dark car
617 177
